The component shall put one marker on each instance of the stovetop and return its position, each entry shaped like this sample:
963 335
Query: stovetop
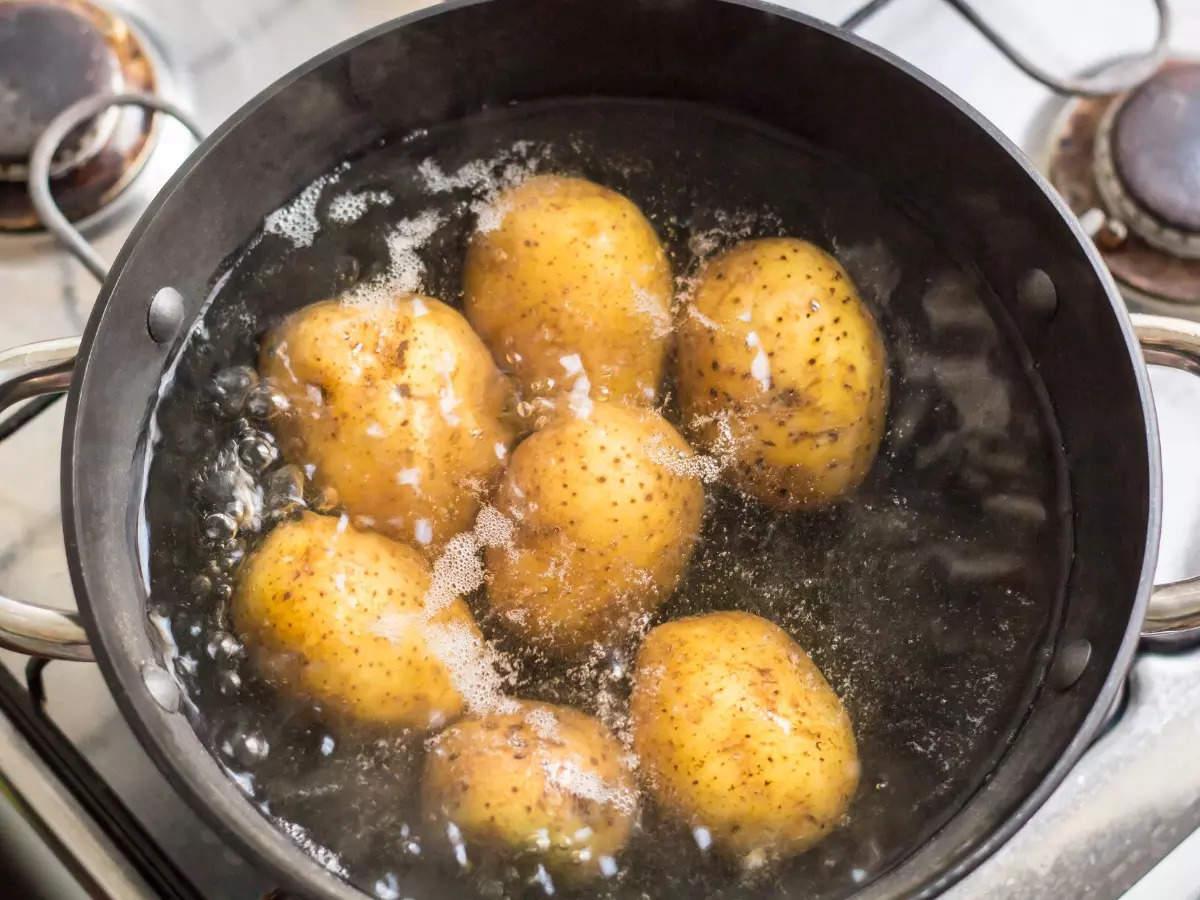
1110 829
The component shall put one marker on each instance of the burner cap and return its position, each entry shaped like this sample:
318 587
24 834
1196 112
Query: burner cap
1148 160
54 53
1156 146
1129 166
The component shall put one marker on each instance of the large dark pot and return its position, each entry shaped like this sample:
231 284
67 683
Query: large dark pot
983 198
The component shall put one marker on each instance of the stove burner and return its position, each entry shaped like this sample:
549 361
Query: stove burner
54 53
1127 166
1147 152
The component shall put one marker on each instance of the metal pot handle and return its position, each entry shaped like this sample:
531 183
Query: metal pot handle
26 372
1174 612
45 368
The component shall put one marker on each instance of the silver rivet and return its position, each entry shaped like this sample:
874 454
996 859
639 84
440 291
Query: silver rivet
1070 663
162 687
165 315
1037 295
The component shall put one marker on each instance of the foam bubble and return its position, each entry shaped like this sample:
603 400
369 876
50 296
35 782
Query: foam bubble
705 467
406 272
493 528
543 722
297 221
571 778
322 854
579 398
458 570
353 205
760 366
485 180
656 308
474 668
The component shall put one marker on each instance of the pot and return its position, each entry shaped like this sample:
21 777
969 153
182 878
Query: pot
789 72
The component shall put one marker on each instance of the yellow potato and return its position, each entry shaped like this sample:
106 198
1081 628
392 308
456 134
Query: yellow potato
605 522
573 283
545 783
740 735
340 615
781 368
399 407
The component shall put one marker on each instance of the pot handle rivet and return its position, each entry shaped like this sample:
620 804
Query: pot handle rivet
1037 294
165 315
1070 663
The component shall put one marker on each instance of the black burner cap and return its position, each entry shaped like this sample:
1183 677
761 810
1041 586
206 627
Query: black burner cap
1156 146
50 57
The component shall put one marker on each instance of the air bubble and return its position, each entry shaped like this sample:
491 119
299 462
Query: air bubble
224 647
264 402
230 387
220 527
257 452
252 748
284 491
229 682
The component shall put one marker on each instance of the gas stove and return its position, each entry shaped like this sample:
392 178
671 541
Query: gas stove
87 814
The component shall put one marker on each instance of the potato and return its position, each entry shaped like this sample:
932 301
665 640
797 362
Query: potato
740 735
545 783
571 290
781 368
399 407
340 615
604 523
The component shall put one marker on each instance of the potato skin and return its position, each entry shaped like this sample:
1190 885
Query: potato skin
738 732
545 782
398 405
338 615
777 347
602 530
573 268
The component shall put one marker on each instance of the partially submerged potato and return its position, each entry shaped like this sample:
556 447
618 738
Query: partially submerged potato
398 406
340 615
604 523
572 290
543 783
739 734
781 368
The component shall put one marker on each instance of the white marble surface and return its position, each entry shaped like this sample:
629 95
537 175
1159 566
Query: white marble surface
224 50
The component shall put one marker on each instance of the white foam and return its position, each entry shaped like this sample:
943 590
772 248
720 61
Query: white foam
543 722
571 778
296 221
689 464
322 854
423 531
406 272
493 528
656 307
474 668
702 318
353 205
760 366
458 570
485 180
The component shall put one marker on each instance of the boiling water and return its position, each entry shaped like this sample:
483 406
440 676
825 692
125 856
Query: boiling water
928 600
